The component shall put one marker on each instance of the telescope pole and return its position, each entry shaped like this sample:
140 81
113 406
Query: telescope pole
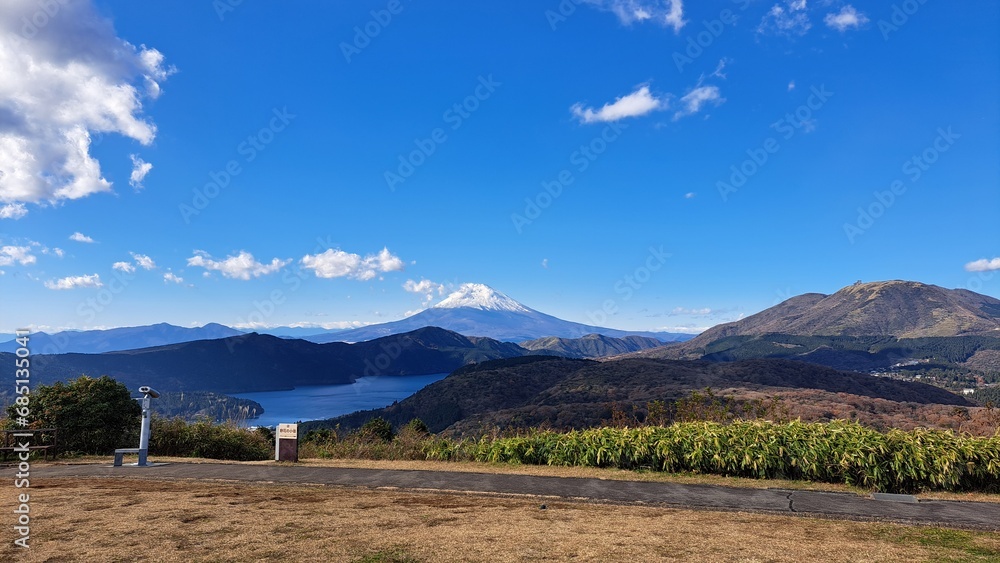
144 429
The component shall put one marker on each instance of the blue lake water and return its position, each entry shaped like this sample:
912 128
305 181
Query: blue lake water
327 401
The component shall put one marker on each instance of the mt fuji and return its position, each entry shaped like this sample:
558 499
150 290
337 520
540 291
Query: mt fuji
479 310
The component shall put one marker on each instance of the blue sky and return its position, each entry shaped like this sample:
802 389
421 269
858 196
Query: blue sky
641 165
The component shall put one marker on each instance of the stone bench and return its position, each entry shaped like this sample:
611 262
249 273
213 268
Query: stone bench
121 452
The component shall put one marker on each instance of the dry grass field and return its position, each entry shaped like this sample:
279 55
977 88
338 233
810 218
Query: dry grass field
129 520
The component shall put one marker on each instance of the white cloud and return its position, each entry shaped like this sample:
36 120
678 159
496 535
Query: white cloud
791 85
80 237
846 19
981 265
301 324
242 266
687 329
545 263
790 19
16 254
63 80
666 12
171 277
143 261
424 286
689 195
694 100
693 312
123 267
73 282
13 211
139 170
335 263
635 104
675 15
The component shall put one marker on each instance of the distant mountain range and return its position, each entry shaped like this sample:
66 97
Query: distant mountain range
114 339
256 362
473 310
863 327
479 310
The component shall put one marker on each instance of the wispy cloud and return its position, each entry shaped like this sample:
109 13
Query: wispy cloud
123 267
669 13
690 312
790 19
983 265
693 102
640 102
74 76
73 282
172 278
847 18
143 261
80 237
335 263
242 266
139 170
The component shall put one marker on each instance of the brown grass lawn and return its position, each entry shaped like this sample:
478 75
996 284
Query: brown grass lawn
91 520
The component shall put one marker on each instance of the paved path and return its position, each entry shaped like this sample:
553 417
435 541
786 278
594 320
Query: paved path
958 514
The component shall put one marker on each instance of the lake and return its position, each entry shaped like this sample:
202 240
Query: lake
327 401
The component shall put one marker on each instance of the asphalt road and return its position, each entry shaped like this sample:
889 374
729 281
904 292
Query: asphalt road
955 514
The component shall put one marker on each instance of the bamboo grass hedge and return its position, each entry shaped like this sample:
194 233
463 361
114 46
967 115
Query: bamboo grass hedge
835 452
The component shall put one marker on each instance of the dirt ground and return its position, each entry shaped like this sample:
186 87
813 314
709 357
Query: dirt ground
129 520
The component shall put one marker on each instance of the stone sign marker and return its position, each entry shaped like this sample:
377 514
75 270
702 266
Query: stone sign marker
286 443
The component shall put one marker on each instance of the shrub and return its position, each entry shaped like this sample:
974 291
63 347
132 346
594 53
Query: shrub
378 427
416 425
174 437
93 416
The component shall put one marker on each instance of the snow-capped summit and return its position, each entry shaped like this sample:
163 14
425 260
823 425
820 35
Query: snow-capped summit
481 296
476 309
